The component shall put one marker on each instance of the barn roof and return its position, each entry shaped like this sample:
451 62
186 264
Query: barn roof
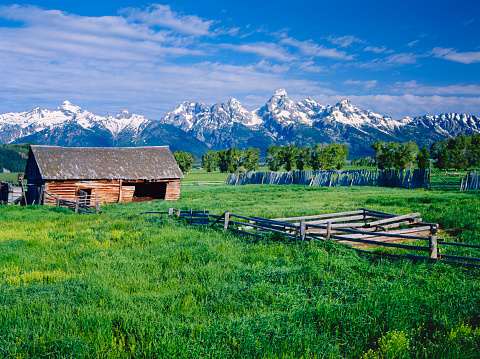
127 163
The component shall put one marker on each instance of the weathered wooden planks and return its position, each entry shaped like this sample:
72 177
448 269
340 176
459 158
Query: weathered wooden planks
384 178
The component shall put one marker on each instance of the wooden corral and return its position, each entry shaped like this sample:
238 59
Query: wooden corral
102 174
363 224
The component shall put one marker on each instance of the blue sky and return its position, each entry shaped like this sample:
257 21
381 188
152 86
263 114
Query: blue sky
398 58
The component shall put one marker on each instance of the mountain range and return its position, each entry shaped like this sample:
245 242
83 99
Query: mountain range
196 127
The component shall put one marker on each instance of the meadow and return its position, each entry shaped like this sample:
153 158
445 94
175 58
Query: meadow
124 285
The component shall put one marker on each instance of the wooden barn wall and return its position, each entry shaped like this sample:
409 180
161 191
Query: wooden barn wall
173 190
105 191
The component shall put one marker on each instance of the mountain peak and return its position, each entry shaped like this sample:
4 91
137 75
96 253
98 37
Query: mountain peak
67 106
280 93
345 101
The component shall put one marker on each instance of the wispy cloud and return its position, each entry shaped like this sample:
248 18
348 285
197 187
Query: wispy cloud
453 55
163 16
263 49
413 43
395 60
365 84
375 49
344 41
309 48
413 87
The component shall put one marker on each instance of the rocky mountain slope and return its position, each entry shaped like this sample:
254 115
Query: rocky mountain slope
196 127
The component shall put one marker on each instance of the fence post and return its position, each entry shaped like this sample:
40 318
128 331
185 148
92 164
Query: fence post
303 230
97 206
226 220
57 201
179 212
170 211
77 204
432 245
329 230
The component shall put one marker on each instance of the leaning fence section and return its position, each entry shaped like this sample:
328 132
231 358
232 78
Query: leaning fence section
472 181
359 229
417 178
84 203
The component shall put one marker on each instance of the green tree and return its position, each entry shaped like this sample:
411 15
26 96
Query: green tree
184 160
385 153
222 163
405 155
235 157
288 155
423 158
336 155
303 157
210 160
318 158
440 154
355 162
251 158
473 150
457 148
273 158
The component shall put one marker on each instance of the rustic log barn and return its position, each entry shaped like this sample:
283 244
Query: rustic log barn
103 174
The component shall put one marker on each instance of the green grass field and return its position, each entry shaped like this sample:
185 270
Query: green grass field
122 285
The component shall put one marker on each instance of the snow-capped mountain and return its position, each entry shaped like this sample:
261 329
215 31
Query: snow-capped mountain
282 121
196 127
69 125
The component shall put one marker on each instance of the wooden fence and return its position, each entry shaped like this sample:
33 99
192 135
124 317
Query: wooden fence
417 178
472 181
360 228
86 204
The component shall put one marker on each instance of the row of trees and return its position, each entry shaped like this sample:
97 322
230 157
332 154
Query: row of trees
231 160
319 157
459 153
394 154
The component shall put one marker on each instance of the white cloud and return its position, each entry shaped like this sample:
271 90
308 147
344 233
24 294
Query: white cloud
365 84
391 61
377 50
413 87
344 41
412 43
309 48
163 16
453 55
263 49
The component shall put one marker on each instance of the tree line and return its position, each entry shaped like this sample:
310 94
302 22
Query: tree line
458 153
319 157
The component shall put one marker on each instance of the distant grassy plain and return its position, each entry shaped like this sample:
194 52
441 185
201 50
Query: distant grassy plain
122 285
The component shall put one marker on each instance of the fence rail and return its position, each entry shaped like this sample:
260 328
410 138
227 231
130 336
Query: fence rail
364 227
80 205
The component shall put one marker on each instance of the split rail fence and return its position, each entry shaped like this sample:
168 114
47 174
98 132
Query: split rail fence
361 228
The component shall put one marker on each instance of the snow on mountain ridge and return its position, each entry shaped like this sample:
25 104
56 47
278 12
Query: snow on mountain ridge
39 119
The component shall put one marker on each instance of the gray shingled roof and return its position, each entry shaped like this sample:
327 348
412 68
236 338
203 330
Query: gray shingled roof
127 163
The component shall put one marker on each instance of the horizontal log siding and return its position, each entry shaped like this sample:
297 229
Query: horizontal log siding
106 191
173 190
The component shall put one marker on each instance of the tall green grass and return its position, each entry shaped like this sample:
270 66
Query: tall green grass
124 285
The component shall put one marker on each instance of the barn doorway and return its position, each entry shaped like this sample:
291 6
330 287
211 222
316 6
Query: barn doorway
149 191
85 195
